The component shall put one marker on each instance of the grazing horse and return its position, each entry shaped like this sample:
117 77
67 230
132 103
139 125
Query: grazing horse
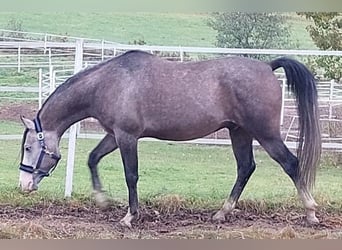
137 95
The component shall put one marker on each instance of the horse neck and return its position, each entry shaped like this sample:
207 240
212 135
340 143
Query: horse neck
62 110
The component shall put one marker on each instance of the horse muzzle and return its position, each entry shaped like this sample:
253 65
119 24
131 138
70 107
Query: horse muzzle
28 182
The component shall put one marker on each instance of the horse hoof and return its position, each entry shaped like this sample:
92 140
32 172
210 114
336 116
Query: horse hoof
219 217
311 218
125 223
312 221
101 199
127 220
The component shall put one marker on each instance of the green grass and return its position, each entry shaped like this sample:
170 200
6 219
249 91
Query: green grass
153 28
201 174
18 96
11 77
10 128
170 29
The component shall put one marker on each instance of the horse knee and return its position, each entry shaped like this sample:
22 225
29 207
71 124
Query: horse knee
93 159
132 179
246 169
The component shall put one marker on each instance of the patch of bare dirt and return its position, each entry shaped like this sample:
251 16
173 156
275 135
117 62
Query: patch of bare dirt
87 221
13 111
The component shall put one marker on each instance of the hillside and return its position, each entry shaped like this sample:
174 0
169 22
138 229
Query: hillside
154 28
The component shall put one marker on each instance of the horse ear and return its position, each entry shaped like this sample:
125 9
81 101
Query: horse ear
27 122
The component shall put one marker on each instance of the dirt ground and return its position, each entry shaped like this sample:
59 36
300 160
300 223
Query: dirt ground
87 221
12 111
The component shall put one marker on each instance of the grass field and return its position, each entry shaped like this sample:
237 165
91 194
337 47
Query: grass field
168 29
202 174
10 128
11 77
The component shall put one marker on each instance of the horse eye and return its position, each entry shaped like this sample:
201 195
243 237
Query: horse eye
27 148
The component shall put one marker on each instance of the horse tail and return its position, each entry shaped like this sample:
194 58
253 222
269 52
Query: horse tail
302 83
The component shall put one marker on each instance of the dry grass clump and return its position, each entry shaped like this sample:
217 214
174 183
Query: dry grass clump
171 203
27 230
258 231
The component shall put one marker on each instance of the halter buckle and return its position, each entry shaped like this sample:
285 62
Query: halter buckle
40 136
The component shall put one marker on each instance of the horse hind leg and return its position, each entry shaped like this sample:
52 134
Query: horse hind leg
107 145
276 148
243 152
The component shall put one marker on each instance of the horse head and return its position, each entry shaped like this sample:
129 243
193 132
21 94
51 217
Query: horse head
39 154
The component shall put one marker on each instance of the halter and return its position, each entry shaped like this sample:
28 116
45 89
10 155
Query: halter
44 151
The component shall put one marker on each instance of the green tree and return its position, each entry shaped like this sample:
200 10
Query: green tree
251 30
326 32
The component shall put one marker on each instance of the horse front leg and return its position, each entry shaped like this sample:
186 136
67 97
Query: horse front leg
107 145
128 148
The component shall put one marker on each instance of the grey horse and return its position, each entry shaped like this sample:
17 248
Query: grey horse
138 94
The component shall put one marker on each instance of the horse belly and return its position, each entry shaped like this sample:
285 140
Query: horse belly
182 130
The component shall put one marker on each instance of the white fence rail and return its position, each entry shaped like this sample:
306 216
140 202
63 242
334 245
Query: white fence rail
53 57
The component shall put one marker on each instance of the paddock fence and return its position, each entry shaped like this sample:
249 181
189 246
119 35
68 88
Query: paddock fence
42 62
